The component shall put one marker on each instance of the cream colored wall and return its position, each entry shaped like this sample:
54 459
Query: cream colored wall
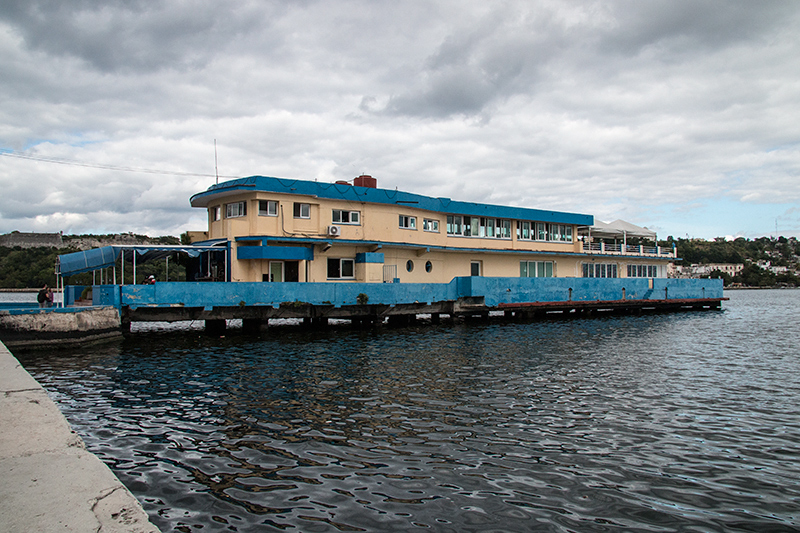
378 223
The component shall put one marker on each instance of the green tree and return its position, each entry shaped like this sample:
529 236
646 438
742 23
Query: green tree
753 275
718 274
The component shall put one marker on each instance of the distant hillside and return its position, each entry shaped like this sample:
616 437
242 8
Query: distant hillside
754 254
27 260
780 251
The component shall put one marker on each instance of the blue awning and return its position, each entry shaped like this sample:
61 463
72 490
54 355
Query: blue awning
97 258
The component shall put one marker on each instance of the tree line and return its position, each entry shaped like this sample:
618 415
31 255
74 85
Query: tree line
22 268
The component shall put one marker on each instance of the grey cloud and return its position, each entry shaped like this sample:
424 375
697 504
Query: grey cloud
135 35
691 26
505 53
473 68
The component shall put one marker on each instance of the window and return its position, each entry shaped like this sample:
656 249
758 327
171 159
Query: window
408 222
236 209
454 225
487 227
475 268
216 213
468 227
267 208
560 232
599 270
536 269
428 267
503 229
429 224
496 228
474 227
346 217
410 265
642 271
302 210
541 231
341 268
523 230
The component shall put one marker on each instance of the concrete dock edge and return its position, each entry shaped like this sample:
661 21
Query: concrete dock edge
48 480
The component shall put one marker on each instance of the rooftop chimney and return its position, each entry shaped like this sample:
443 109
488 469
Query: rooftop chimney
366 181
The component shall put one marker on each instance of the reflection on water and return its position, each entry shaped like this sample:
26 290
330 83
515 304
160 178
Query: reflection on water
663 423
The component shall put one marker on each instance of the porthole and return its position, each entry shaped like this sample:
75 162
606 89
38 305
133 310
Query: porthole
410 265
428 266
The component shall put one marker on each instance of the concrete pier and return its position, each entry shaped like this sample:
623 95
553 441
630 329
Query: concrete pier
58 326
48 480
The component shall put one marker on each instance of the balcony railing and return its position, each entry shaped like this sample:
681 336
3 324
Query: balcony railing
627 249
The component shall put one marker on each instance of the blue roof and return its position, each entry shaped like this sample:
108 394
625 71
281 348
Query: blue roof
352 193
97 258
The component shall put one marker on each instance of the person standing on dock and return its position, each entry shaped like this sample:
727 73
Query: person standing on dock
45 297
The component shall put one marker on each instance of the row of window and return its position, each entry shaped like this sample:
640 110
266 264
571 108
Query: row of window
500 228
642 271
543 231
536 269
456 224
266 208
609 270
342 268
600 270
466 226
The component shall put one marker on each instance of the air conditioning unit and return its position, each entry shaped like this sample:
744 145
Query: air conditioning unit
334 231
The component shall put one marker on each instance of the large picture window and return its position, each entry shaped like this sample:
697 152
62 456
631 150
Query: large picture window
494 228
642 271
536 269
600 270
543 231
341 268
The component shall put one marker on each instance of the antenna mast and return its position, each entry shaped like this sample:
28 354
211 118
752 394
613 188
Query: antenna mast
216 169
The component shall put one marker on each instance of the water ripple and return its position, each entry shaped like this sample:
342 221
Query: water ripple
683 422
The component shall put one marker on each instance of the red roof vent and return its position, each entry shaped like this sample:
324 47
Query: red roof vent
342 182
366 181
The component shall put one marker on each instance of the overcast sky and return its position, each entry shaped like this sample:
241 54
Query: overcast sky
682 116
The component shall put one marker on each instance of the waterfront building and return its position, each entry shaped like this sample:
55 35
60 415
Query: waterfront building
698 270
305 231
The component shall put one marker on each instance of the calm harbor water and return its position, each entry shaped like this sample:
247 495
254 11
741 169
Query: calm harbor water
675 422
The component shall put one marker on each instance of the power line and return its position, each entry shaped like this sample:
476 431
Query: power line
73 163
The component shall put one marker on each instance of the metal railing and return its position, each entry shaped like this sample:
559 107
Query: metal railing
627 249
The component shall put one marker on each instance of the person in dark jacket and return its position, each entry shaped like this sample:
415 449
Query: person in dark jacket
42 297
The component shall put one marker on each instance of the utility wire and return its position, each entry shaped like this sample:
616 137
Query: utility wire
68 162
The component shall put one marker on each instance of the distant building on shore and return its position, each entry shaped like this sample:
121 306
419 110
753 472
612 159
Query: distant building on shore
81 242
700 270
32 240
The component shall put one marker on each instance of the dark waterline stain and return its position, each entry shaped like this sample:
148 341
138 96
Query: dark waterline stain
683 422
